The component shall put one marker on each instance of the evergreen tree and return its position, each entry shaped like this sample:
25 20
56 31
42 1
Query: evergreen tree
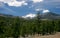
38 21
16 32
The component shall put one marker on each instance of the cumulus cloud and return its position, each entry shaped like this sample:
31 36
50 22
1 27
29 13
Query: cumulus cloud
35 1
19 3
14 2
29 15
46 11
37 9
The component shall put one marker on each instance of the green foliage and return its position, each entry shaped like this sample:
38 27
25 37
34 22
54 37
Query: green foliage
15 27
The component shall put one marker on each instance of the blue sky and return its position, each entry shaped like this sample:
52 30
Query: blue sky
23 7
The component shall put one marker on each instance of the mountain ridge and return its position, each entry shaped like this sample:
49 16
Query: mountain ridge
49 15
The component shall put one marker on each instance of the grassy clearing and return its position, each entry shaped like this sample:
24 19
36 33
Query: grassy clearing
57 35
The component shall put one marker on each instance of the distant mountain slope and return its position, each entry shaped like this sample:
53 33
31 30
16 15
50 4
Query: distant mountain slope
50 15
6 15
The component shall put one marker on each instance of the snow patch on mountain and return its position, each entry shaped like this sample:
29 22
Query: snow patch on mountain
30 15
45 11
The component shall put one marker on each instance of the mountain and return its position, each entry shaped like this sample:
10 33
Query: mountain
6 15
44 16
29 16
50 15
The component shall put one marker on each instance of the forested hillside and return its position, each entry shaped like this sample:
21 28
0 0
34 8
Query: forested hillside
16 27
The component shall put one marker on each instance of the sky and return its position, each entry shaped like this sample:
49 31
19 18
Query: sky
28 7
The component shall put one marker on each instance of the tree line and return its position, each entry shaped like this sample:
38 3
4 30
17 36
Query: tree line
16 27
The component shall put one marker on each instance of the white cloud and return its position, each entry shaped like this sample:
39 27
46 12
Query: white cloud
37 9
46 11
14 2
35 1
29 15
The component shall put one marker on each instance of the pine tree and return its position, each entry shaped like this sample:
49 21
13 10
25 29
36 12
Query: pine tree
38 23
16 32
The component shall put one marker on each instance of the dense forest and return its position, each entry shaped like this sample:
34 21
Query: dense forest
16 27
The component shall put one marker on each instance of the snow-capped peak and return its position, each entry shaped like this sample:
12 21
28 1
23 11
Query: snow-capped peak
46 11
30 15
